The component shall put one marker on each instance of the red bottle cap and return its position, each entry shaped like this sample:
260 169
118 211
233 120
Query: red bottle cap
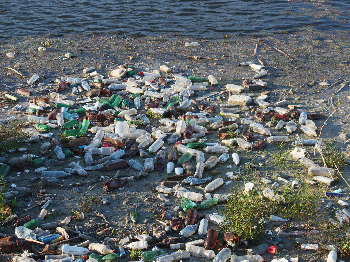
272 249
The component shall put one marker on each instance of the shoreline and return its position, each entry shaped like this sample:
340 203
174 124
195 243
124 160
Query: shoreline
296 65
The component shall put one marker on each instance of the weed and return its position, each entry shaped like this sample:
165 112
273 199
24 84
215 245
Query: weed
87 204
281 158
332 155
301 203
135 254
345 248
11 135
244 215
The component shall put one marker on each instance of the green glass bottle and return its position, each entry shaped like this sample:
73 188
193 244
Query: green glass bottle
197 79
70 124
194 145
111 257
208 203
42 128
133 215
151 255
31 110
32 224
96 256
84 127
79 111
38 161
71 132
187 204
102 101
59 105
185 157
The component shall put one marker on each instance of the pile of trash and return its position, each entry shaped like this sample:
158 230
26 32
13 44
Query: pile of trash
151 122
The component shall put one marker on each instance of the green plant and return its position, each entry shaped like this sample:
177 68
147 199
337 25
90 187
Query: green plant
332 155
244 215
280 159
301 203
345 247
11 135
135 254
87 203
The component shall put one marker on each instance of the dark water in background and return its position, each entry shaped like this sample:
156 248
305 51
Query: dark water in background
205 18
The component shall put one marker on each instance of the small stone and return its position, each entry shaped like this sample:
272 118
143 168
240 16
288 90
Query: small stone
10 55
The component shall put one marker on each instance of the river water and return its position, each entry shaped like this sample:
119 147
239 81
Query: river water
204 18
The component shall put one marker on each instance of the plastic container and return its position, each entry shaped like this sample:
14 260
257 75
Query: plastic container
211 162
138 245
24 233
203 227
183 158
88 158
197 251
216 149
214 185
302 118
136 164
59 153
188 230
224 157
208 203
149 164
196 197
223 255
170 167
151 255
73 250
235 158
175 256
101 248
156 145
180 127
199 170
38 119
54 174
309 247
200 157
332 256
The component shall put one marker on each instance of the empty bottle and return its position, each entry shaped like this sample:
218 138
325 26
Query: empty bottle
223 255
200 251
136 164
200 157
188 230
101 248
88 158
235 158
59 153
224 157
54 174
138 245
151 255
191 216
203 227
149 164
156 145
199 169
183 158
187 204
208 203
74 250
170 167
214 185
211 162
38 119
302 118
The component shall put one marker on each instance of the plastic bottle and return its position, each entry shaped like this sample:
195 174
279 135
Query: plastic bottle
137 102
211 162
200 157
156 145
73 250
235 158
81 171
203 227
151 255
188 230
101 248
54 174
59 153
191 216
332 256
208 203
309 247
180 126
42 214
17 160
184 149
183 158
224 157
175 256
107 151
170 167
199 169
223 255
38 119
196 197
216 149
138 245
187 204
302 118
24 233
200 251
149 164
136 164
88 158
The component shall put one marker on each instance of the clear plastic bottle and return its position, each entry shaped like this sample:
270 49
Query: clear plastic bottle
88 158
59 153
203 227
137 102
196 197
107 151
199 169
156 145
197 251
211 162
184 149
136 164
235 158
138 245
224 157
302 118
170 167
38 119
85 85
81 171
101 248
223 255
200 157
214 185
73 250
149 164
42 214
188 230
117 154
54 174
